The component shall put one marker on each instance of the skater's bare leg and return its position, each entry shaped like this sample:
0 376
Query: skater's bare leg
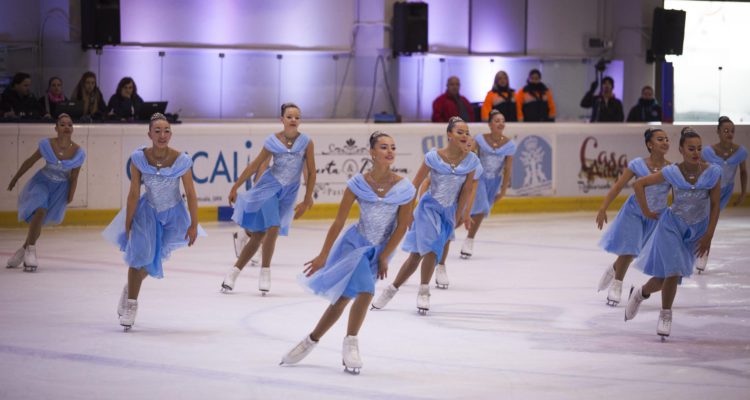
428 267
477 220
668 291
407 269
249 250
445 252
135 278
35 227
269 244
329 317
621 266
652 286
358 312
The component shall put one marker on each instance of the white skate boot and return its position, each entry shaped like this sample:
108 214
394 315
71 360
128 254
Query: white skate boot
128 318
664 326
423 299
615 293
123 304
17 258
257 257
606 279
385 296
700 263
300 351
227 285
467 249
634 303
441 277
29 259
264 280
350 355
240 239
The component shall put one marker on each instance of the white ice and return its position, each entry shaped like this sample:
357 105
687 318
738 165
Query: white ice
521 320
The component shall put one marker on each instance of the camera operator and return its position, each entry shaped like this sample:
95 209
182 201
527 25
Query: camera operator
605 107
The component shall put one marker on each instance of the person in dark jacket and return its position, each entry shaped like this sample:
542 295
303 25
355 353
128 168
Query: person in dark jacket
647 109
500 98
452 104
52 98
125 103
88 93
605 107
17 100
534 102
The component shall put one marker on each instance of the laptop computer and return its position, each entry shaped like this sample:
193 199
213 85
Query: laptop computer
72 108
148 108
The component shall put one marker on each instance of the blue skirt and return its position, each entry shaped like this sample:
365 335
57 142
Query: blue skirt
671 249
629 231
153 235
351 268
487 189
265 205
726 194
432 227
42 192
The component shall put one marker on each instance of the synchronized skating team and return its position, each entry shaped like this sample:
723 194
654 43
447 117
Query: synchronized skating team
455 185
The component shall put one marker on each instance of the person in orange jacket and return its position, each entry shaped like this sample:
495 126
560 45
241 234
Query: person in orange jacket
534 103
501 98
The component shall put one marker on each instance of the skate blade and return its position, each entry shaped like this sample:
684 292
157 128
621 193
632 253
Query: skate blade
226 288
663 336
263 292
612 303
465 256
351 371
441 286
253 263
126 328
27 268
422 311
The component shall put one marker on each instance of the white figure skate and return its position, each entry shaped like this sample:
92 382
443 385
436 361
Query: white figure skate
299 352
385 296
423 299
350 355
128 318
467 249
607 277
123 303
664 325
615 293
227 285
441 277
17 258
240 241
634 303
264 281
30 263
700 263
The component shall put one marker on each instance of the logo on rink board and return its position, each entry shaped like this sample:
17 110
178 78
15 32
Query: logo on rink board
599 171
532 167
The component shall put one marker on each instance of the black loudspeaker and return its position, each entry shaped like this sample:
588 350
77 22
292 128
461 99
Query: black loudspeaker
409 28
100 23
668 32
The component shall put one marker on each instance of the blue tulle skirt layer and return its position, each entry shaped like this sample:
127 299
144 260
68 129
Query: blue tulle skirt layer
351 268
153 235
671 249
42 192
726 194
629 231
432 227
265 205
487 189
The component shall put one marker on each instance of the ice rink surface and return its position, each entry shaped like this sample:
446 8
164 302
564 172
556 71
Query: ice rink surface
521 320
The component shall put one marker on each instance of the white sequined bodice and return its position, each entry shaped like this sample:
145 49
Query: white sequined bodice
56 171
162 193
656 196
691 205
377 220
491 163
727 173
287 167
445 188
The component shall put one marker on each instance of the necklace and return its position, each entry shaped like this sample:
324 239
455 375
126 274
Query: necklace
726 152
655 168
691 176
159 162
495 143
289 141
380 187
451 162
62 151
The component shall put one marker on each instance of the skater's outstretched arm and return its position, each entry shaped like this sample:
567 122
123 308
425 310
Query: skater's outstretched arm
333 232
420 178
601 216
463 198
507 173
28 163
743 184
312 174
402 224
704 243
639 186
134 195
73 183
192 201
248 172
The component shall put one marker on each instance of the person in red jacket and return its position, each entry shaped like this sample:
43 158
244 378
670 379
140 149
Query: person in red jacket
452 104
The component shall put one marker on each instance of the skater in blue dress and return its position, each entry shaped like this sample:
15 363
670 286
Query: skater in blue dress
729 156
151 226
451 170
267 209
45 197
496 155
348 268
631 229
683 231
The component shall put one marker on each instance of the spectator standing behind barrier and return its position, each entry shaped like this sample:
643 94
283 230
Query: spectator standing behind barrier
125 103
534 103
17 100
88 93
452 104
647 109
605 107
52 98
500 98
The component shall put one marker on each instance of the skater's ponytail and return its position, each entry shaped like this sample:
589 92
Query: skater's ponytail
650 134
687 133
375 137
